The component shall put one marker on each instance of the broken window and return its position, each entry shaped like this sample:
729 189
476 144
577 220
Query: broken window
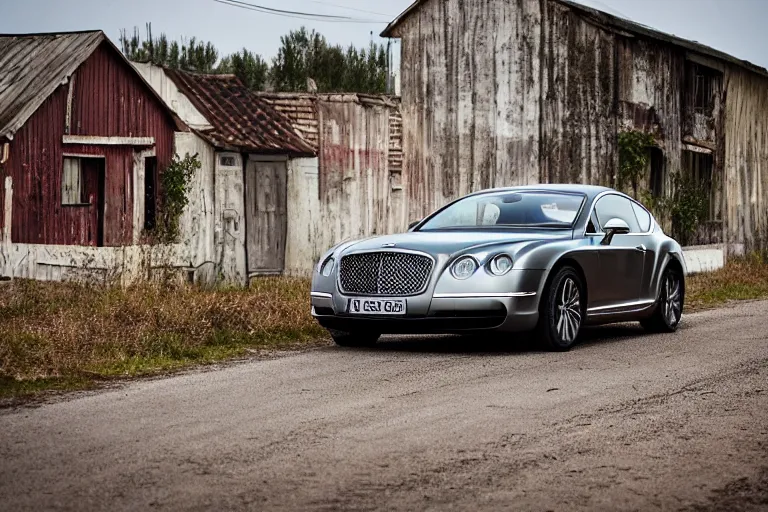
150 193
703 87
72 182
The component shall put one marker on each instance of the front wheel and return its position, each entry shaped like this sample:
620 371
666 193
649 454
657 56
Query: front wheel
354 339
669 308
561 310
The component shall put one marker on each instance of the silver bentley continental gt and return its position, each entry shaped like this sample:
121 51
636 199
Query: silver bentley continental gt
549 258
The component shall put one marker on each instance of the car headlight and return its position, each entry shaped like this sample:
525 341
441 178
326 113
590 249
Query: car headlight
327 267
500 265
464 267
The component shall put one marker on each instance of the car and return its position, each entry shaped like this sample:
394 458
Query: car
546 258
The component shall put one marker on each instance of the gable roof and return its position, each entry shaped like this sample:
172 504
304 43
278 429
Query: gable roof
617 24
33 66
241 120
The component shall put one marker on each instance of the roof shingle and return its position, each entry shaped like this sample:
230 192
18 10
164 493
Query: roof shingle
240 119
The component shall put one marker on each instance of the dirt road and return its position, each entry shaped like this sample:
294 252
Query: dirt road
624 421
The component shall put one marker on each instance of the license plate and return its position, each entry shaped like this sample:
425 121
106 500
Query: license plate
364 306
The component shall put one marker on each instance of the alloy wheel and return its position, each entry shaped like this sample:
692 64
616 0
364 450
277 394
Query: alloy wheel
672 300
568 313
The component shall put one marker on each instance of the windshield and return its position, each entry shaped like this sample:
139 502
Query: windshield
509 209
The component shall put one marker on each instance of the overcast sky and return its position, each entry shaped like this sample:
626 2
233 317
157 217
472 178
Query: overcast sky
734 26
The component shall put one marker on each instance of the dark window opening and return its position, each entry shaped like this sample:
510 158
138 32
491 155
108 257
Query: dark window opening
656 180
703 86
150 193
82 187
698 168
227 161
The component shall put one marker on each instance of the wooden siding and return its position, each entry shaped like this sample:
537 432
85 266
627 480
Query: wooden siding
354 183
354 188
499 93
746 159
503 93
109 100
266 211
578 125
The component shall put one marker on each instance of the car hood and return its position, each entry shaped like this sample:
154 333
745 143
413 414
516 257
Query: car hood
451 242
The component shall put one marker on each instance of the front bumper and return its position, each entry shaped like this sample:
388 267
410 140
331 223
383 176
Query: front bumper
438 313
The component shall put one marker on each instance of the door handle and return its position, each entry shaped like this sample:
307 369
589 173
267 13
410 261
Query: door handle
640 248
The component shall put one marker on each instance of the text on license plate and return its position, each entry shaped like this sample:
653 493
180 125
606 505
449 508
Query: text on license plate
365 306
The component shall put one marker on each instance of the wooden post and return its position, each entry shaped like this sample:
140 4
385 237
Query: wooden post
5 245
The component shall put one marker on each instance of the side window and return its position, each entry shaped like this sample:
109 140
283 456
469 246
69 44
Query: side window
592 224
643 217
617 207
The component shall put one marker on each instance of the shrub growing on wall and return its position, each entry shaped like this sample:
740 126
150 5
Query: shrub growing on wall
634 155
176 180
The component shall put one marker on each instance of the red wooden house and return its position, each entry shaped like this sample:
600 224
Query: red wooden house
83 140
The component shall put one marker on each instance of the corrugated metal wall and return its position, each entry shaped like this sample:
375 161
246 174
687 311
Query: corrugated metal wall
109 100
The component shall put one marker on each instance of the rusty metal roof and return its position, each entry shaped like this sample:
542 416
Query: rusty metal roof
617 24
33 66
241 120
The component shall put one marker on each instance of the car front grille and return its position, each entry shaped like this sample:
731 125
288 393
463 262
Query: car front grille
384 273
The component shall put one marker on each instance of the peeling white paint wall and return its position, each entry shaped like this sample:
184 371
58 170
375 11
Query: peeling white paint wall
306 222
229 226
171 95
198 222
707 258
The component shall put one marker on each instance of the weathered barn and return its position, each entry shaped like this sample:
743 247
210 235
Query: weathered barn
250 156
499 92
284 176
79 128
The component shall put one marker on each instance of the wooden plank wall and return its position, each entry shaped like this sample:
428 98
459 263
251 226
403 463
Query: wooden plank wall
746 160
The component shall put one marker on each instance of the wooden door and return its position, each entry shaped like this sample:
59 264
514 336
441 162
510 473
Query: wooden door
93 178
266 189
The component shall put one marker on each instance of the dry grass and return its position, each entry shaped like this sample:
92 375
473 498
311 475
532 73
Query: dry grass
69 336
740 279
58 335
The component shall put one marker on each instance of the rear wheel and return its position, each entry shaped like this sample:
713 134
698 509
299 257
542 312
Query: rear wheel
354 339
561 311
669 307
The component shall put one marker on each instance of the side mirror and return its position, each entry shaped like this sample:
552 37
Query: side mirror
413 224
614 227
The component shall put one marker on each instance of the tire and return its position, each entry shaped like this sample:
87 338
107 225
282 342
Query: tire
669 305
354 339
561 311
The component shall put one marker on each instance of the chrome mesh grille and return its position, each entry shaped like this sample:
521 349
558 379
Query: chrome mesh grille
384 273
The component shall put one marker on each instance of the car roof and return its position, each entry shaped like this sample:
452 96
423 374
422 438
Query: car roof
588 190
